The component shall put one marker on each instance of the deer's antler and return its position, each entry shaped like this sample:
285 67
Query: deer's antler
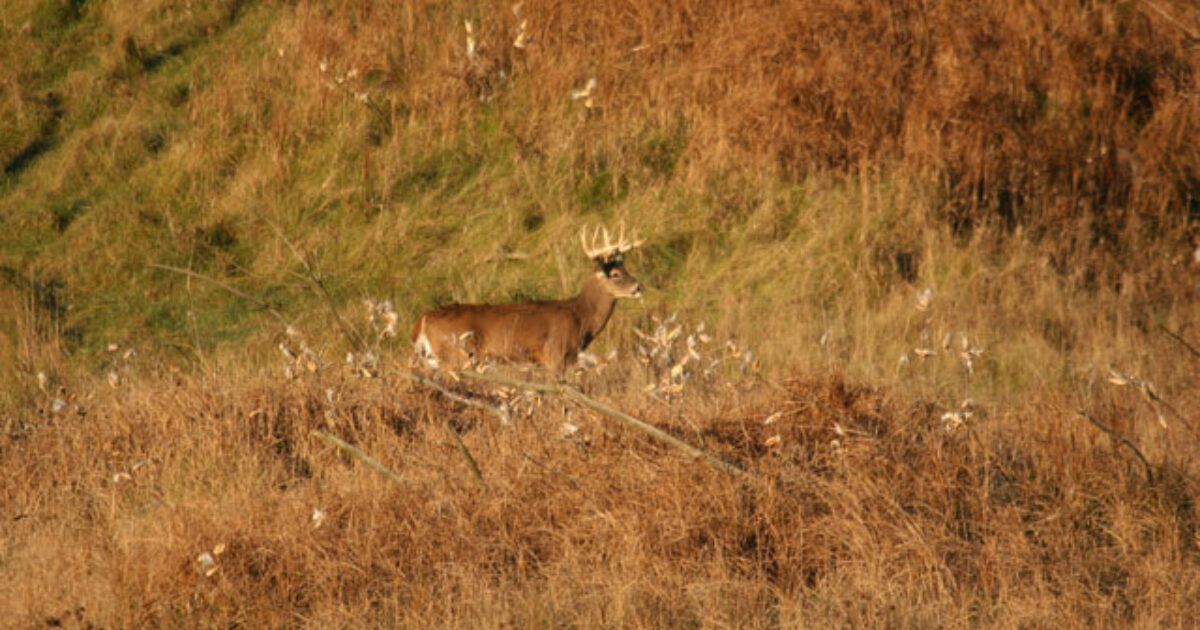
608 249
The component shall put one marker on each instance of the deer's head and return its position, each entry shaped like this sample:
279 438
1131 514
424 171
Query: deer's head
609 257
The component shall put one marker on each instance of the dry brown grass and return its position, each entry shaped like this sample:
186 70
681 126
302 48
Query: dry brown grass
1022 517
799 168
1028 112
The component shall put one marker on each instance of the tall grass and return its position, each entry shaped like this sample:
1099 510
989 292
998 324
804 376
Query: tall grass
839 187
862 509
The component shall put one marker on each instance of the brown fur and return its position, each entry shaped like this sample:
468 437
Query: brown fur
550 333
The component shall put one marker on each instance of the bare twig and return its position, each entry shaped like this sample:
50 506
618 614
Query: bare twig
318 284
458 443
1190 348
466 453
499 412
583 399
1187 424
1191 34
812 400
192 319
358 454
1122 440
224 285
1153 399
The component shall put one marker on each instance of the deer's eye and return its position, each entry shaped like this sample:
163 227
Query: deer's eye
614 274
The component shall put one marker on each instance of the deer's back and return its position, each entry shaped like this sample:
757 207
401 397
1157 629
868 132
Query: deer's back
542 332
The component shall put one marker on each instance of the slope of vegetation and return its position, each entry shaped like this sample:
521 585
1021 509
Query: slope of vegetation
958 239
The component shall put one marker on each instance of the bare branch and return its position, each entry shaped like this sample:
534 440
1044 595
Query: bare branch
1121 440
1190 348
466 453
640 425
224 285
319 288
358 454
500 413
1191 34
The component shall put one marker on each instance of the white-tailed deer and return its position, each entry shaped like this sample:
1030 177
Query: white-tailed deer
551 333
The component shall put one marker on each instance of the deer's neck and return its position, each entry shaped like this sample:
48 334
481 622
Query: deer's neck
594 305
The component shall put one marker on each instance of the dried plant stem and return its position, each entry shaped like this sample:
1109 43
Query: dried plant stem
500 413
224 285
358 454
1191 35
458 443
583 399
1183 342
1178 416
319 288
466 453
1121 440
198 348
810 400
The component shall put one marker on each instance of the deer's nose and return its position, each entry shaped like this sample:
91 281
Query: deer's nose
638 290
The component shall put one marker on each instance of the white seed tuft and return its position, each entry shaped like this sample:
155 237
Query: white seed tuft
924 299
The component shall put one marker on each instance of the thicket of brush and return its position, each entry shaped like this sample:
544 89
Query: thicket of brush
1014 445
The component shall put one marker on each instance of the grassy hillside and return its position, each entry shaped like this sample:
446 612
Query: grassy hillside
900 209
